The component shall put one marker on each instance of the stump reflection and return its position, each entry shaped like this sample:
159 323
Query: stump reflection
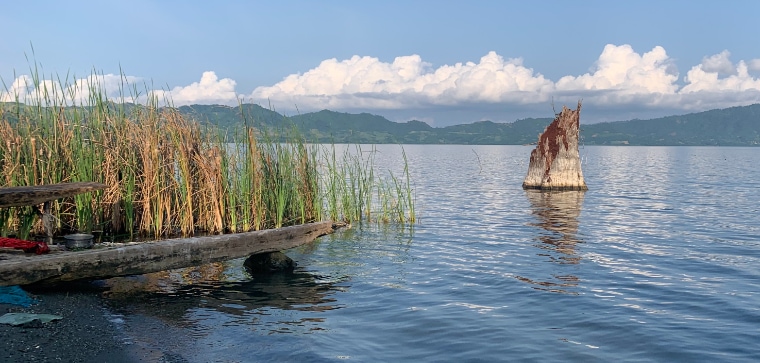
557 215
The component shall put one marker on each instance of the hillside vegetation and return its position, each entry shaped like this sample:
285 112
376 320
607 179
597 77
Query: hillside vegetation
735 126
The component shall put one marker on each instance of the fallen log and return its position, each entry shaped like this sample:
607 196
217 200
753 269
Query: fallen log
38 194
45 195
146 257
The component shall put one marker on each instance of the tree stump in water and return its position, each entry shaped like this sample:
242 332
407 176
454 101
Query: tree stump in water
555 163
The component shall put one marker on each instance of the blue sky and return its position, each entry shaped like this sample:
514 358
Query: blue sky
442 62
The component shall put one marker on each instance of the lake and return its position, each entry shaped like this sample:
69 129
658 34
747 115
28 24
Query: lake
658 261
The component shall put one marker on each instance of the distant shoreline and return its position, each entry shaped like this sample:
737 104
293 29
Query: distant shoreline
735 126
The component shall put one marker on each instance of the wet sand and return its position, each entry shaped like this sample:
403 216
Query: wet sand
85 334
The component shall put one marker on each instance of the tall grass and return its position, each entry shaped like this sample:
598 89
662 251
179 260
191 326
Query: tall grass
167 175
355 192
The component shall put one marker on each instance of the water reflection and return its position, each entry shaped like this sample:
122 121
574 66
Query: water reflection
557 216
170 295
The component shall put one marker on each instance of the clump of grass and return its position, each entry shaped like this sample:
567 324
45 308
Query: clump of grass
355 192
167 175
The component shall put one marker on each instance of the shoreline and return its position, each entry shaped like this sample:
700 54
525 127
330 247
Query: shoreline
85 334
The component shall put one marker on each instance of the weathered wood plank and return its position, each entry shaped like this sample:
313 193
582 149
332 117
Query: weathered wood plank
38 194
154 256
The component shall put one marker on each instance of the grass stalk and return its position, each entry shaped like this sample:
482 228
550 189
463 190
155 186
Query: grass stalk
167 175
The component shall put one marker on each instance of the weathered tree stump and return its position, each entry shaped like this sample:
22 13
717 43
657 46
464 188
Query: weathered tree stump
555 163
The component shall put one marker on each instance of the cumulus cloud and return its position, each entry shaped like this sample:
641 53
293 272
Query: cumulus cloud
110 85
717 82
119 88
621 78
76 92
622 71
407 82
706 89
754 65
18 90
719 63
700 78
209 90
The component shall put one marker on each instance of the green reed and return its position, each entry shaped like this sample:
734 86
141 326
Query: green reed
355 192
167 175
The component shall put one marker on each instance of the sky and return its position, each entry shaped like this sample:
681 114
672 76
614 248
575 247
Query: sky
442 62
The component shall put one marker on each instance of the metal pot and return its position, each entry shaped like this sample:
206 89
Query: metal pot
78 240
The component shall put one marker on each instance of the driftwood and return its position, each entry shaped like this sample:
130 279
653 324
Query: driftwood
555 163
38 194
146 257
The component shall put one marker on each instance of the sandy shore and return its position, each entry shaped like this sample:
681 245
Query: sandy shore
85 334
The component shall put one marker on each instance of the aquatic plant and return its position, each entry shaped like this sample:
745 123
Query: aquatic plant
168 175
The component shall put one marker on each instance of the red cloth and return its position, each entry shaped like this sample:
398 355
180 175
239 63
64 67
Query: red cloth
28 246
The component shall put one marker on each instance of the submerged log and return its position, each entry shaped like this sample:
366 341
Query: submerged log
38 194
555 163
267 263
141 258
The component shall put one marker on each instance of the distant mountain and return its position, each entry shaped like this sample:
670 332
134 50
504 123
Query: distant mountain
227 116
735 126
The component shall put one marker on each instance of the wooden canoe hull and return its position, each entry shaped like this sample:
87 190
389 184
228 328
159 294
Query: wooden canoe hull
146 257
38 194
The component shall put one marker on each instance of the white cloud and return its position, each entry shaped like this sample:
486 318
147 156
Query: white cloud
624 72
754 65
719 63
621 79
366 82
76 92
700 79
110 85
19 88
209 90
118 88
705 89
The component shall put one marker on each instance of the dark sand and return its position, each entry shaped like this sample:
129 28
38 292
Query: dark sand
85 334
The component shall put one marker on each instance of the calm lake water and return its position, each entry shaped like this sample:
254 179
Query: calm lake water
658 261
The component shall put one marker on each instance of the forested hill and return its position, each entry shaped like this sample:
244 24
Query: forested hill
735 126
729 127
338 127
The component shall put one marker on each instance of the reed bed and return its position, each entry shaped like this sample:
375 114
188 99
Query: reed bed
167 175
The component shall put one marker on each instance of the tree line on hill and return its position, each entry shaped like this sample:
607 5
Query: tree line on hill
735 126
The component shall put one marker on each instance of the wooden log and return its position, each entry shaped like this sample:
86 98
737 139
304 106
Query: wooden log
555 163
38 194
141 258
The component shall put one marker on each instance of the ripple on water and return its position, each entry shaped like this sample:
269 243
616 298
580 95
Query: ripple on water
658 261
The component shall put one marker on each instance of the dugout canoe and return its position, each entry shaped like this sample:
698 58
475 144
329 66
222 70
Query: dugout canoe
139 258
